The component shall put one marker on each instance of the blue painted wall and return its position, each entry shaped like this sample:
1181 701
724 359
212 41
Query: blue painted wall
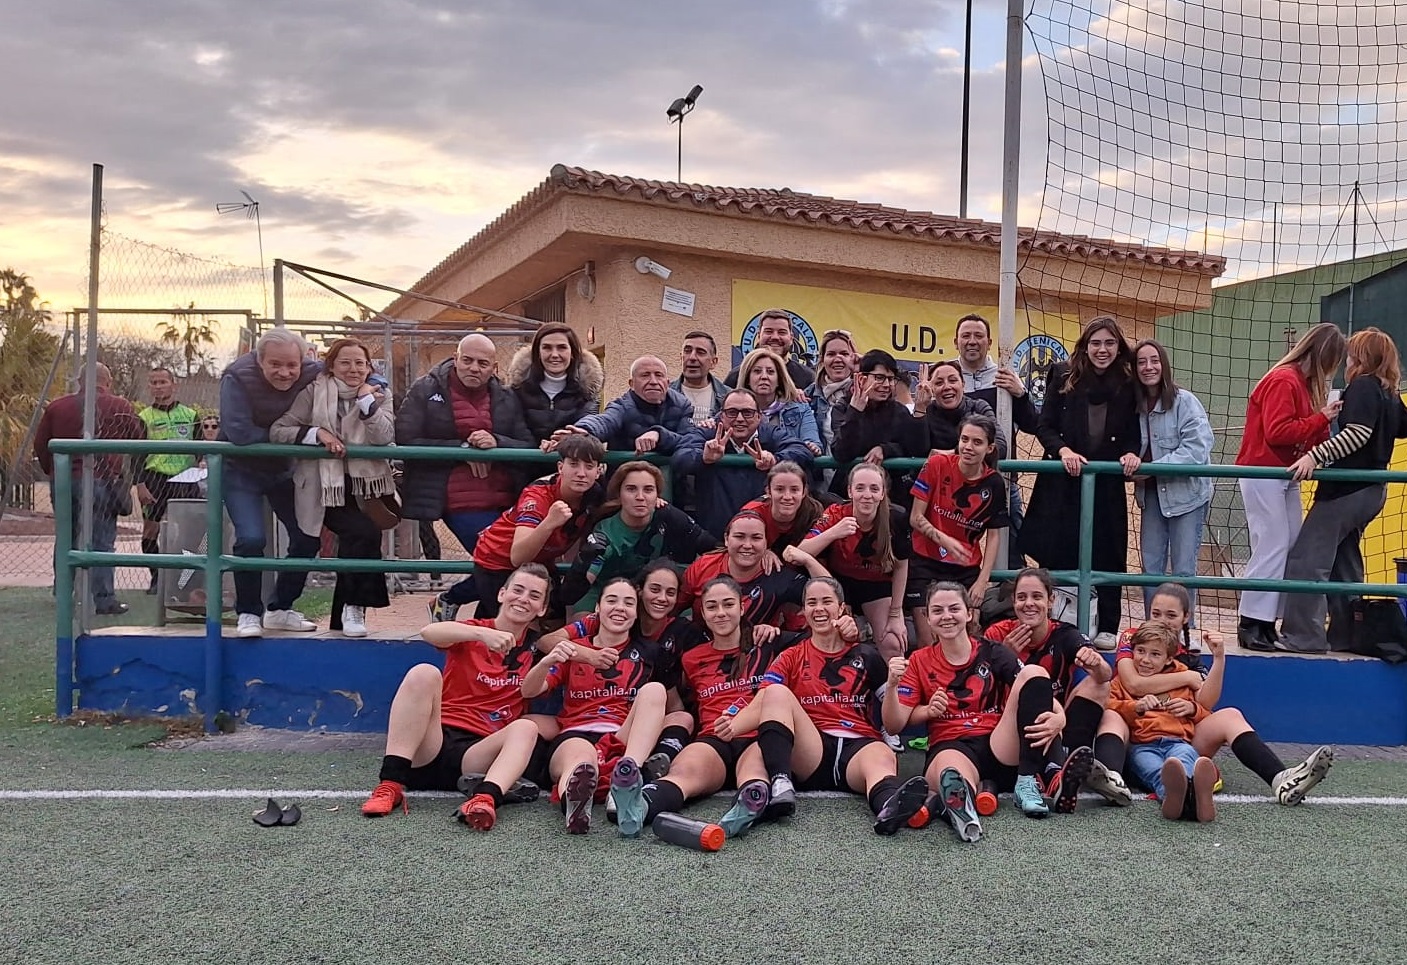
347 685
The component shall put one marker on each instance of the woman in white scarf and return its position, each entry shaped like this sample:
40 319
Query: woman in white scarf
340 409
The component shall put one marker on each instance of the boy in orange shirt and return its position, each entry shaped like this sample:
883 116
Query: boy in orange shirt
1161 726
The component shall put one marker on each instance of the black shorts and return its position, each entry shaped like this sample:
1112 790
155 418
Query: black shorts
978 750
163 490
923 571
593 736
442 773
860 592
836 754
728 752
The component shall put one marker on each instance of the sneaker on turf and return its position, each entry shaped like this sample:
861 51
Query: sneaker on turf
626 784
655 767
1109 785
478 812
1174 788
441 610
249 625
1293 783
1064 787
906 801
748 805
523 791
288 620
957 804
581 791
895 742
353 621
1105 642
387 796
1028 798
782 800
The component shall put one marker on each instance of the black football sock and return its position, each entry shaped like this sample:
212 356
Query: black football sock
661 796
1110 750
672 741
492 790
395 768
1082 719
1036 698
776 741
1253 752
882 792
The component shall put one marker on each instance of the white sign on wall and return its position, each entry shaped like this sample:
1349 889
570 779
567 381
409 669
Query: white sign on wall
678 302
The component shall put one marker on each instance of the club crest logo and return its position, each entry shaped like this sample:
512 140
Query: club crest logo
806 349
1033 358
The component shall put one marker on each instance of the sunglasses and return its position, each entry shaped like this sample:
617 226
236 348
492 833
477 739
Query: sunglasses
837 333
210 425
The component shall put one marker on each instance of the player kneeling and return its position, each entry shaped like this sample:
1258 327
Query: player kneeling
468 718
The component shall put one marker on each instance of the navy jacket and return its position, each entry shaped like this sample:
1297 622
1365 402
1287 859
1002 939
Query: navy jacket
629 417
249 405
719 490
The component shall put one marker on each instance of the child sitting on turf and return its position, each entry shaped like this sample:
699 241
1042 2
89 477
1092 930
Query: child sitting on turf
1161 726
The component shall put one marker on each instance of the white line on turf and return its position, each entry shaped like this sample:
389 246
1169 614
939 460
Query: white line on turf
295 794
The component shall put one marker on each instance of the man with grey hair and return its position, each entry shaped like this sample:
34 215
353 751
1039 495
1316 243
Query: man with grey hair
649 417
461 403
255 389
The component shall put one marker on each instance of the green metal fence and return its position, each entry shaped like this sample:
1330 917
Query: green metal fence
217 561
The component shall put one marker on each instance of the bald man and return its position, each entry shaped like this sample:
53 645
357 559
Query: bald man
116 419
461 403
650 417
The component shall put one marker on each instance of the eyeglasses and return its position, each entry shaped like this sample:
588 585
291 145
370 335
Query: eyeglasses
210 425
880 378
740 413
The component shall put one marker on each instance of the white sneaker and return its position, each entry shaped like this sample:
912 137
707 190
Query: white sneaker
249 626
353 621
1293 783
1105 642
895 742
288 620
1109 785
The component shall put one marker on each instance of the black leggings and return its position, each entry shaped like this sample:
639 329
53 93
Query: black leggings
357 539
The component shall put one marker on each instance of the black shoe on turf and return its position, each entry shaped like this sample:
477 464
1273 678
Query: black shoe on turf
903 804
782 802
523 791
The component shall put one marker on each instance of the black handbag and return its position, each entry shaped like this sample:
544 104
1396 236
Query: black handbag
1376 627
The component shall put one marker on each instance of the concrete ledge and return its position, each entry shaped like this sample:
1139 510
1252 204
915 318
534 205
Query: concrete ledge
324 680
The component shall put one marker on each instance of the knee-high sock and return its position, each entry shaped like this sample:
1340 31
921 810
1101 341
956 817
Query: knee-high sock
1081 722
672 741
882 791
775 740
1036 698
1111 751
1253 752
661 796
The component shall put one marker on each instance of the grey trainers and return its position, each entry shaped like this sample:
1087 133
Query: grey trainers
1293 783
441 610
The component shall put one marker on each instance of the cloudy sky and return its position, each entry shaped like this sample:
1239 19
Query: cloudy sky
378 135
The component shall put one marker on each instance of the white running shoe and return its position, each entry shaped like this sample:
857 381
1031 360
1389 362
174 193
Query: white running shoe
288 620
249 626
353 621
895 742
1105 642
1293 783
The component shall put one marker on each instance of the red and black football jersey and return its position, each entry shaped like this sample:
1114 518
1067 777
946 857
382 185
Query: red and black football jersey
677 636
961 508
856 557
482 691
836 689
596 698
713 680
778 537
495 546
977 690
770 598
1056 654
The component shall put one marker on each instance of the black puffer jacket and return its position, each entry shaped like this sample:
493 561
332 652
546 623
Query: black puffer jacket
426 418
580 398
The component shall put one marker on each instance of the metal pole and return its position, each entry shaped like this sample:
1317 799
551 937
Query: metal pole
90 389
63 585
679 161
213 699
966 108
278 292
1087 480
1011 176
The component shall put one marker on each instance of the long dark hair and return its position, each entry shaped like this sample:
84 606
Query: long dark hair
1166 392
1081 368
744 625
884 548
810 509
535 370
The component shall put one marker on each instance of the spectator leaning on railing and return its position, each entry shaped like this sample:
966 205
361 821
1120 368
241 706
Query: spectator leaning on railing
340 408
255 390
460 404
555 381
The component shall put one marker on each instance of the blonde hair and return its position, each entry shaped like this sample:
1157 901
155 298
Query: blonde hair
786 388
1318 356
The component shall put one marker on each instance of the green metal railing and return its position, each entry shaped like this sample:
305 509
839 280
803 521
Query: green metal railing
217 562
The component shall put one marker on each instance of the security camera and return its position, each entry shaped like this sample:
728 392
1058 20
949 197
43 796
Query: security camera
647 267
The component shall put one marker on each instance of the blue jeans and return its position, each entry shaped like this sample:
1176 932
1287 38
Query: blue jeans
466 527
1146 761
245 496
1170 545
105 499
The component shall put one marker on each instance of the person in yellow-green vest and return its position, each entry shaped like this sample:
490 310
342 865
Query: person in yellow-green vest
165 418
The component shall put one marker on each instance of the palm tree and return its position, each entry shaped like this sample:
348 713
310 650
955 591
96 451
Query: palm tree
189 335
27 350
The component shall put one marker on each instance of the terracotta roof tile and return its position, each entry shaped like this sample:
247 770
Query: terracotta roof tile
796 206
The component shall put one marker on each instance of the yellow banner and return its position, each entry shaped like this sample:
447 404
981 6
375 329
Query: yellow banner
913 330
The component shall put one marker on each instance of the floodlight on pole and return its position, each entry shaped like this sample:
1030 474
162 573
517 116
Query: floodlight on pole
250 207
676 113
